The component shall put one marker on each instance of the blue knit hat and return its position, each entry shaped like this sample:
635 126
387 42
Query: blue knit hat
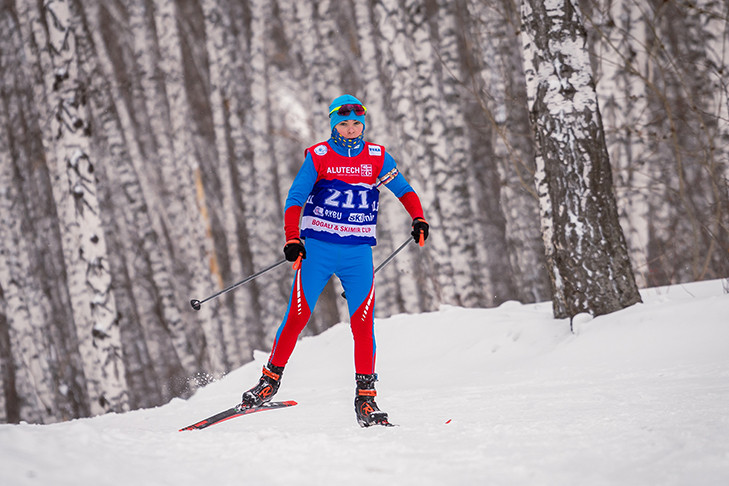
346 99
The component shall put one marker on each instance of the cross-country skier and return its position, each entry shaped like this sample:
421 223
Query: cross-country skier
332 205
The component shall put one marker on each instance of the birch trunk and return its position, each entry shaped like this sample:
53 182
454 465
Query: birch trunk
718 58
156 50
686 235
406 66
9 405
143 282
451 163
41 333
66 142
27 375
502 100
226 66
257 183
586 251
182 175
397 290
620 34
701 26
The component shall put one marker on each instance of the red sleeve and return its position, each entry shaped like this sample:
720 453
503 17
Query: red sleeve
411 201
291 222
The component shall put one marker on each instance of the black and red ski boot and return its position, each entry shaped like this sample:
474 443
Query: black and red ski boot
265 389
368 413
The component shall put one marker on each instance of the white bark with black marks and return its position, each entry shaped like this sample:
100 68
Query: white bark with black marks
586 252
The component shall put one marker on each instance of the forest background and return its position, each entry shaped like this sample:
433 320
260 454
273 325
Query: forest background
147 146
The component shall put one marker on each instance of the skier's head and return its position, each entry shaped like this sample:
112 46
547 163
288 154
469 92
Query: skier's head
346 107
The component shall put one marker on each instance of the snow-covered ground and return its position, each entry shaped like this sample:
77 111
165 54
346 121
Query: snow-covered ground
504 396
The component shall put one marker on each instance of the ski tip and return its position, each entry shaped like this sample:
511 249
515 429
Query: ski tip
200 425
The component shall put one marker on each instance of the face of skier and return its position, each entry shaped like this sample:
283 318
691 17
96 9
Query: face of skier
350 128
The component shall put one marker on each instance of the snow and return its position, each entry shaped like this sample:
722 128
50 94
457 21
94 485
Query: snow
504 396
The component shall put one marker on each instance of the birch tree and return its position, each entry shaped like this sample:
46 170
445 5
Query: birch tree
698 221
163 93
397 290
619 31
501 89
451 166
45 379
141 267
662 96
9 406
226 71
262 217
28 386
586 253
61 96
408 68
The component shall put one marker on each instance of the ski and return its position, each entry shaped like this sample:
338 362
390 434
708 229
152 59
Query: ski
236 411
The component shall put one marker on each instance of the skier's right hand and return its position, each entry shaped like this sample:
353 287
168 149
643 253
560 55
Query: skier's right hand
420 230
294 247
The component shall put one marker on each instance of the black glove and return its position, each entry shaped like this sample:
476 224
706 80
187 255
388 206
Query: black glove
420 226
294 247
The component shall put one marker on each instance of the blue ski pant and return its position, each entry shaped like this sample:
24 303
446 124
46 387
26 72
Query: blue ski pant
352 264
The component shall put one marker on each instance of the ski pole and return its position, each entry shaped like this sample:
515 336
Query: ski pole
394 254
390 258
197 303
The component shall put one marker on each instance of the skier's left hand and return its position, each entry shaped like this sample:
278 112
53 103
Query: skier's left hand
420 230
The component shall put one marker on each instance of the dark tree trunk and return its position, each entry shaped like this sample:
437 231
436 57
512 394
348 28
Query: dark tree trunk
587 257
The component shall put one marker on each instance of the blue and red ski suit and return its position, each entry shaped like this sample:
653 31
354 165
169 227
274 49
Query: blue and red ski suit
333 205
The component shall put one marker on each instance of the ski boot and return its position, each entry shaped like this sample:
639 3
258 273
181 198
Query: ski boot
368 413
265 389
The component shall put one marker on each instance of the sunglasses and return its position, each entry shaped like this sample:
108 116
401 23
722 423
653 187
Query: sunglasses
345 110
